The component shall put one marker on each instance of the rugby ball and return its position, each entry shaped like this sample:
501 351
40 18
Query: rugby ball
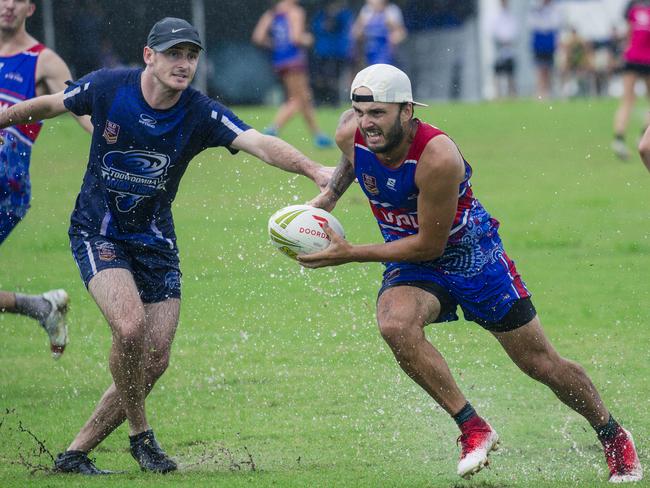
298 229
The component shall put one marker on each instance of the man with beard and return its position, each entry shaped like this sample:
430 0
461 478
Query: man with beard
442 250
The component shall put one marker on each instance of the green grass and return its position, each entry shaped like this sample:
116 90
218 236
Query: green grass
285 366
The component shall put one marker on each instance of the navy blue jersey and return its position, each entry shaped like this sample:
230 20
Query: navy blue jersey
139 154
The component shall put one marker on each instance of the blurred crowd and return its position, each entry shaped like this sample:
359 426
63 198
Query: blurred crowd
566 63
534 48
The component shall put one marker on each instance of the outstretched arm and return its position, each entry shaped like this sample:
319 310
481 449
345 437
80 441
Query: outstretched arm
39 108
281 154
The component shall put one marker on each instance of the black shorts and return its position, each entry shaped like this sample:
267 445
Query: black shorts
504 66
638 68
521 311
156 272
544 59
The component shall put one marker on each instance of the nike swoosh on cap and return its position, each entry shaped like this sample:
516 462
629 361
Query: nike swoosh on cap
174 31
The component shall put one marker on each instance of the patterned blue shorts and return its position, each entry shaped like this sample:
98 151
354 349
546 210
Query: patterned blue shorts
480 278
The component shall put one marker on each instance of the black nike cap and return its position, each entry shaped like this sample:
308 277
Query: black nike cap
171 31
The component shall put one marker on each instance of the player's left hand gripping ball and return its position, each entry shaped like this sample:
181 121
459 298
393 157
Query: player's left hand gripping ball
298 229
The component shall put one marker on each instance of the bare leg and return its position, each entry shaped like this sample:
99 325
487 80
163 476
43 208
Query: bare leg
161 320
512 87
622 116
286 111
529 348
302 91
402 313
7 301
646 120
291 104
544 74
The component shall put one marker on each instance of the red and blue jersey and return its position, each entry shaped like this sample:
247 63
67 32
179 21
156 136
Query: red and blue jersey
474 268
393 194
17 83
285 53
377 40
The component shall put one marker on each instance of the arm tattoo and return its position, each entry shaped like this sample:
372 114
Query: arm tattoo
342 177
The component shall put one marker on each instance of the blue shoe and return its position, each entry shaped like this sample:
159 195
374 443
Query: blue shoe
271 130
322 141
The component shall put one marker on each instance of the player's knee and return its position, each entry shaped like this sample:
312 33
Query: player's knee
395 328
540 367
551 369
156 366
129 332
571 369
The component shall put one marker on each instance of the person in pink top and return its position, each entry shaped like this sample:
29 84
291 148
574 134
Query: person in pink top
636 64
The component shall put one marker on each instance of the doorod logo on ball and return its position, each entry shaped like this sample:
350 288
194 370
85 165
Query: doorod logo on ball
298 229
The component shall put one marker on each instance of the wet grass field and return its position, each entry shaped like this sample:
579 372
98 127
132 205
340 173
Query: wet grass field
278 375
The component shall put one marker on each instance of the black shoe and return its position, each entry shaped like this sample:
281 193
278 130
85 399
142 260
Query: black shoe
76 462
149 455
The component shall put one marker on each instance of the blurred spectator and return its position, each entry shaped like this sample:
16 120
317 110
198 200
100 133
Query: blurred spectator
332 28
282 29
607 56
636 66
504 31
616 46
577 70
380 28
545 21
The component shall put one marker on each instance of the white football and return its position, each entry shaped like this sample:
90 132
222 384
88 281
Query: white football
297 229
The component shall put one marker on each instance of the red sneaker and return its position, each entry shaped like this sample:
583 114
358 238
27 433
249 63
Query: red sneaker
623 462
476 443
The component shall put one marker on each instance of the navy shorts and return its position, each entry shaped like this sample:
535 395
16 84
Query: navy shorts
156 272
8 221
494 295
639 69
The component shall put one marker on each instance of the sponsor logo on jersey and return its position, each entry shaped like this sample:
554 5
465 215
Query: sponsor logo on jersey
17 77
390 183
134 175
105 250
396 218
148 120
370 182
111 131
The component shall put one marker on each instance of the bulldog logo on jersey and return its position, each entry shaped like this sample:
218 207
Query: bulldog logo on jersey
370 182
133 176
111 131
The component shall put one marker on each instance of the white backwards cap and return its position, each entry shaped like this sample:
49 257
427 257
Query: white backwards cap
387 84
